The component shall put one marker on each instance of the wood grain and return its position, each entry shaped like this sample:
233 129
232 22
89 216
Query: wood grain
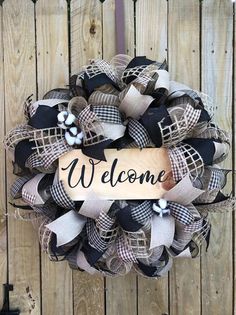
52 64
86 43
151 29
217 32
3 231
184 67
86 32
192 291
153 296
151 40
89 294
121 295
20 81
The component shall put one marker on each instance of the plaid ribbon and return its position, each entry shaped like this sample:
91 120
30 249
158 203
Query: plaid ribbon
215 180
195 226
181 213
87 115
100 234
124 252
16 188
109 114
60 196
142 212
138 133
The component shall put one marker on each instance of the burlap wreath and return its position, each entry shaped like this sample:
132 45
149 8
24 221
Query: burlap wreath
125 103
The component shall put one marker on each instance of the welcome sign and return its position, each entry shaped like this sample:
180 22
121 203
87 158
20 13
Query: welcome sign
126 174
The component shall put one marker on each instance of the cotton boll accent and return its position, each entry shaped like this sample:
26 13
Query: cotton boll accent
74 136
161 208
65 119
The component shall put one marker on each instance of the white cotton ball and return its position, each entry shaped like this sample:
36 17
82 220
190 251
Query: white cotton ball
80 135
61 125
78 140
69 139
162 203
73 130
70 119
61 116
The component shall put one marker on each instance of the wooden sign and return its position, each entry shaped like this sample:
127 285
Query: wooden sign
127 174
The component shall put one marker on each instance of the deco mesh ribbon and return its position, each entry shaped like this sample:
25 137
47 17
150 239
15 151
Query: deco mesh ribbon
125 103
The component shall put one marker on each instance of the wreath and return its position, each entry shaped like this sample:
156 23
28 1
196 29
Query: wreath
125 103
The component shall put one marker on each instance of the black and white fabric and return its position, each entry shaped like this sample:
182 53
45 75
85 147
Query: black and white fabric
193 227
215 180
124 252
87 115
138 133
181 213
106 228
142 212
109 114
94 238
16 188
60 196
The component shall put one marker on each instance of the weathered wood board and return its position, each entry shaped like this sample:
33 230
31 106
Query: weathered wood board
184 66
216 73
20 82
53 71
56 36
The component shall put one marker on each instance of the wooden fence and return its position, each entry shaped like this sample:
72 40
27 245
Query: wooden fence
42 42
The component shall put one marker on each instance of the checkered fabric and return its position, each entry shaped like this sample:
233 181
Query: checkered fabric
124 252
104 225
34 161
16 188
60 196
27 106
94 238
87 115
194 227
181 213
142 212
28 198
215 180
138 133
109 114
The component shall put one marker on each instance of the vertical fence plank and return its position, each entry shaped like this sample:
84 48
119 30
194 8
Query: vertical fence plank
217 36
151 41
52 65
86 43
20 81
151 29
184 67
86 32
3 232
121 294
